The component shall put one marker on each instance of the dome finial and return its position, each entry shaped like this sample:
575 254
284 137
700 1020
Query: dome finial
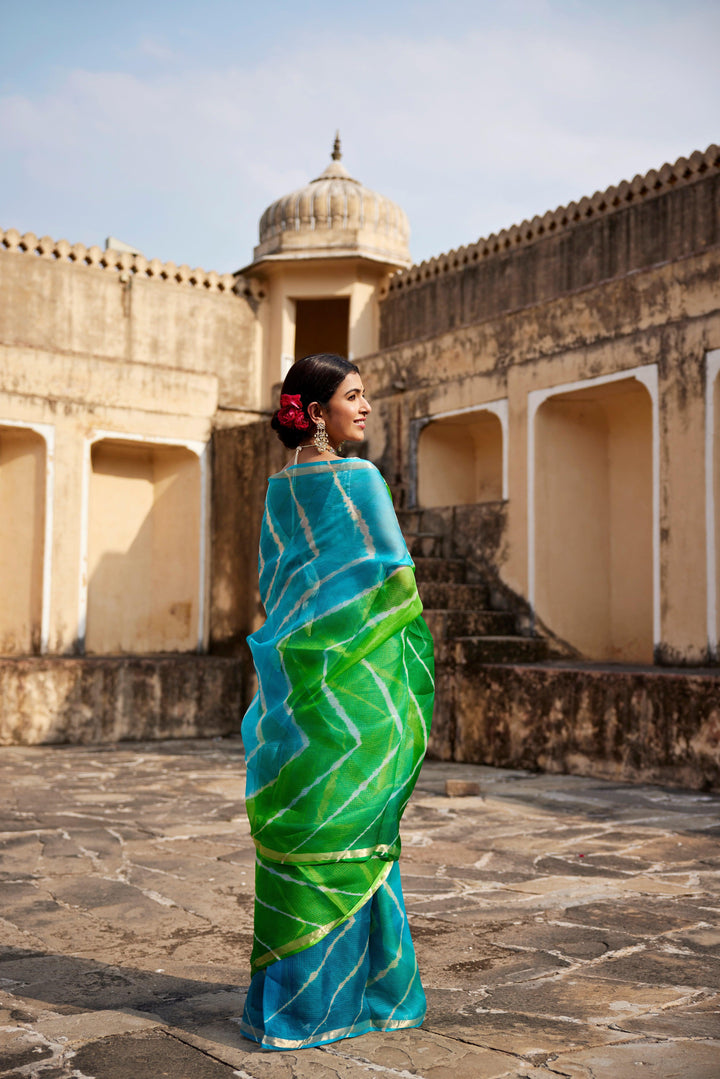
337 152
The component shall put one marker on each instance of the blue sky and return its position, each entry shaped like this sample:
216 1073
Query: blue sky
172 125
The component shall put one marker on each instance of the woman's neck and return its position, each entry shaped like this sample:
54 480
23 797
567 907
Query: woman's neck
310 452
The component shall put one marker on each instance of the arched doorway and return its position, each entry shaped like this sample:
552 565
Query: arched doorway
592 517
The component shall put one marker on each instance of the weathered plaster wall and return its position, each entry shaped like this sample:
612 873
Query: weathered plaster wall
657 218
243 458
107 360
95 344
46 699
62 301
667 316
552 320
645 726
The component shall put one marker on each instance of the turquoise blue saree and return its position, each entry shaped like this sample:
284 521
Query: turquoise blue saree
334 741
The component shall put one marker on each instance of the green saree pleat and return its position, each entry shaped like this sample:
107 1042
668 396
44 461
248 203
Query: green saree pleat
336 734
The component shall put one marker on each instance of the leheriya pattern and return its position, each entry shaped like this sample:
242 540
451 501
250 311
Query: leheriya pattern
336 734
361 976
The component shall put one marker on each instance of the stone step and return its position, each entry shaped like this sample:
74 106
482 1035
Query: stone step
474 651
440 569
425 544
409 520
446 596
470 623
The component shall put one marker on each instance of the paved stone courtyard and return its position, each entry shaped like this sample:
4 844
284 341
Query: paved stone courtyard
565 927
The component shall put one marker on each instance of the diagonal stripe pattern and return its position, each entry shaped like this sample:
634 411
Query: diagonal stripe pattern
362 976
336 734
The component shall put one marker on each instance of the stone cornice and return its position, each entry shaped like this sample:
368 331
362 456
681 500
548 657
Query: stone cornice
120 262
630 192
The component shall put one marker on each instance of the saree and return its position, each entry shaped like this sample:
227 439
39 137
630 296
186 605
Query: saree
334 740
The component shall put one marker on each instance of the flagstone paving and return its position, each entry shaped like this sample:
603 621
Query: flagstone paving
565 927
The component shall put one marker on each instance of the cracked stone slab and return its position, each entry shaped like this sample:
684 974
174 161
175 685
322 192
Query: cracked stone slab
704 936
407 1053
91 1026
649 916
24 1049
534 1038
86 984
570 941
676 968
680 1060
584 998
701 1020
148 1053
558 922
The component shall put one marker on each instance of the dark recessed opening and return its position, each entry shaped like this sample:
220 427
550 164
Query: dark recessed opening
321 326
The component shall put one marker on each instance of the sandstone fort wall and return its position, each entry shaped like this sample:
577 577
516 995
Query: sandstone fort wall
663 216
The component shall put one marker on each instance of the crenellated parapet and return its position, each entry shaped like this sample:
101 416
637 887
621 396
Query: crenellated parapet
121 262
686 170
670 214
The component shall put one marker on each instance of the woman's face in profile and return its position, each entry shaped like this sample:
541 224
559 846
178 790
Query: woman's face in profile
346 411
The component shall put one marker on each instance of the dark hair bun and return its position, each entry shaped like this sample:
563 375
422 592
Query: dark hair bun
314 378
290 436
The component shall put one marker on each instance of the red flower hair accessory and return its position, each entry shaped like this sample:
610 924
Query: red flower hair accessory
290 413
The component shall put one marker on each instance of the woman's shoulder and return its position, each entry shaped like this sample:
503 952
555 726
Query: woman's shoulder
362 473
361 464
326 468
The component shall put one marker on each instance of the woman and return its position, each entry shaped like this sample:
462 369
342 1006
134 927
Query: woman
336 734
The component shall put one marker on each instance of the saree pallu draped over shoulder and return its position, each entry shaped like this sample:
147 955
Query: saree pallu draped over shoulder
337 732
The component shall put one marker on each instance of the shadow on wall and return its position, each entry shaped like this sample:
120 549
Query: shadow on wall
715 494
143 677
22 528
143 549
242 459
460 460
593 516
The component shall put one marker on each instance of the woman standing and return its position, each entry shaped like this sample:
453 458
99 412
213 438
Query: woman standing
336 734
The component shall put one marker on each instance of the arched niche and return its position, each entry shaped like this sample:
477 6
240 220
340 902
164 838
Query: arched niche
144 533
592 512
460 459
712 495
23 455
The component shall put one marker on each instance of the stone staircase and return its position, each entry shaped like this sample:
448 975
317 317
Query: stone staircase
461 610
507 698
458 606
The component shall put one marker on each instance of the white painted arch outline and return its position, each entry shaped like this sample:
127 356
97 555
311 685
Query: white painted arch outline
46 431
498 408
711 539
648 376
200 449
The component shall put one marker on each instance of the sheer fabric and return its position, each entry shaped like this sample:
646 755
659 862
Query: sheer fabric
334 741
362 976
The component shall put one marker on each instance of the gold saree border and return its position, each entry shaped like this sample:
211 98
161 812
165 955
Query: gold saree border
301 943
351 854
366 1027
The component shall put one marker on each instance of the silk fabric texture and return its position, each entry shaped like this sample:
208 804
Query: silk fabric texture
337 732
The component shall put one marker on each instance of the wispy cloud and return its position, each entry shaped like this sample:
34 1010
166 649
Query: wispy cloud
156 50
470 132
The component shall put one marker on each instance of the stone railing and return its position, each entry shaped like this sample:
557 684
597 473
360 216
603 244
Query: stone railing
126 264
656 182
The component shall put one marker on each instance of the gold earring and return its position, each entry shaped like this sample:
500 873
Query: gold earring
320 438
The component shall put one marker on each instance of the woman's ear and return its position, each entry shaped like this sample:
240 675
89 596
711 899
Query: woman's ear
314 411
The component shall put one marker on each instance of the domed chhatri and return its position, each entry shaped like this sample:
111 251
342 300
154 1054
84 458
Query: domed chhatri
334 216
